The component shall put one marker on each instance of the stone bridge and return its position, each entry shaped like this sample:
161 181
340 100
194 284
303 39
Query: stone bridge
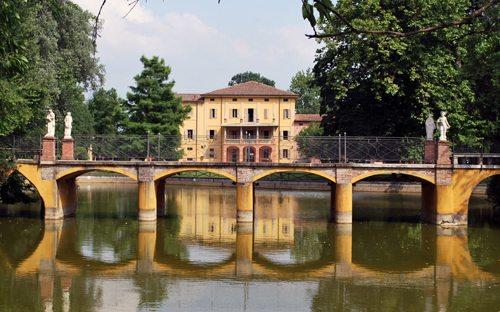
446 188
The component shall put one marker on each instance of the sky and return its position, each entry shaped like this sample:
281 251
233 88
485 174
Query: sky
204 43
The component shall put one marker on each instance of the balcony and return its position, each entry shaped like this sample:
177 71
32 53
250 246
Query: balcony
256 122
249 140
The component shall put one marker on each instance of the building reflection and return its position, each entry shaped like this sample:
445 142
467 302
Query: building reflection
208 214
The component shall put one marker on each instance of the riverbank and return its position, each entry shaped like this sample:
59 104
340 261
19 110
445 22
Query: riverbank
372 186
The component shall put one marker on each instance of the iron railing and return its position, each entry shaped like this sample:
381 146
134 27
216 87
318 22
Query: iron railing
344 149
20 147
331 149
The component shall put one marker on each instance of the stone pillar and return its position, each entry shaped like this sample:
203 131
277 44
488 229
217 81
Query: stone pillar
430 152
146 243
160 198
443 153
244 250
341 203
68 149
48 149
244 202
147 194
147 201
67 196
343 250
51 200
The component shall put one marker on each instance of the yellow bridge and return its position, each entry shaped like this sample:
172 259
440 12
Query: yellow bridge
446 188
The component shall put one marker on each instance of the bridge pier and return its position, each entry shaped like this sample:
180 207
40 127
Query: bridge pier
244 202
341 203
67 196
147 201
160 198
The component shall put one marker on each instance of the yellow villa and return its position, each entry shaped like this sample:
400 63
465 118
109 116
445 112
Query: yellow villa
248 122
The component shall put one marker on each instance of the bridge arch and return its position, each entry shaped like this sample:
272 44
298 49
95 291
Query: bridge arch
168 172
315 172
32 174
419 175
77 171
463 184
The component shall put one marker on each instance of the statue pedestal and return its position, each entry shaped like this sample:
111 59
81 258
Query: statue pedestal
48 149
68 149
437 152
443 153
430 152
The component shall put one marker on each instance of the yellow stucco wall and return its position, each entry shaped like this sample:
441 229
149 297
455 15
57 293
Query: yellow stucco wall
268 114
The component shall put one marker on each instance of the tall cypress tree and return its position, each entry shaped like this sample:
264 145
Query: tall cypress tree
152 106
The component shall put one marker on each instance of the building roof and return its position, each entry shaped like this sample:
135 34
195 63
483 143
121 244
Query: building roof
189 97
307 117
250 88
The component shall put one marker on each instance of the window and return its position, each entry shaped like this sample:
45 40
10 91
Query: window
189 148
250 115
285 153
234 135
266 134
213 113
211 227
285 135
266 100
190 159
235 113
250 100
266 113
301 124
211 153
284 229
286 113
190 134
235 99
285 100
211 134
212 100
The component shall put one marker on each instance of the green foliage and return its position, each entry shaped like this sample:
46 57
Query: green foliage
307 142
107 110
152 106
302 84
386 85
250 76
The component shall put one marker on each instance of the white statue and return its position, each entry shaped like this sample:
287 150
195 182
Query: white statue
90 153
443 126
51 124
430 126
68 121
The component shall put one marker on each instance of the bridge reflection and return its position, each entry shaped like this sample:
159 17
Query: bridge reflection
168 248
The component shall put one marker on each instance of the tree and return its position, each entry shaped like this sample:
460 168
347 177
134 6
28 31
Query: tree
311 145
302 84
46 60
107 111
152 106
318 11
386 85
250 76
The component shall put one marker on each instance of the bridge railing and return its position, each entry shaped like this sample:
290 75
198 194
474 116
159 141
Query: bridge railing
20 147
324 149
343 149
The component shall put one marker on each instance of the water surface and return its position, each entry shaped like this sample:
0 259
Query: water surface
197 259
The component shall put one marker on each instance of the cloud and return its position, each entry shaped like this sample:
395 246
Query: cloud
203 53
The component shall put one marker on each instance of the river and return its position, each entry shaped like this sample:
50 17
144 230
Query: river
196 259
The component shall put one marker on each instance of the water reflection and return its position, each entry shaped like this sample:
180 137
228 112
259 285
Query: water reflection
201 260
